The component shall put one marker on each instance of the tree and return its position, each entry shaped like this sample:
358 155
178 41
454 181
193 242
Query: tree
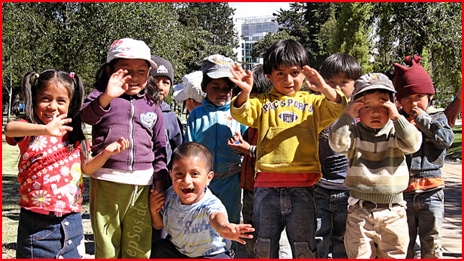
260 47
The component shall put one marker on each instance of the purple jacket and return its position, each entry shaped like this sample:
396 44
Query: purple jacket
133 118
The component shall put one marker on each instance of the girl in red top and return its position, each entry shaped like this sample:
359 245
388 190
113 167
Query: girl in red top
54 154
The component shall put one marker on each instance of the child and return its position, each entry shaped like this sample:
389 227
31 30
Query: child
287 164
424 194
54 153
163 76
124 104
195 219
377 172
190 90
212 125
246 145
331 197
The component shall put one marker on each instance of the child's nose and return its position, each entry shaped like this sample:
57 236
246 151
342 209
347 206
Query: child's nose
52 105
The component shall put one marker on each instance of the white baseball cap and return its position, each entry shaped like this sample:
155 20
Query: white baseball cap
189 88
128 48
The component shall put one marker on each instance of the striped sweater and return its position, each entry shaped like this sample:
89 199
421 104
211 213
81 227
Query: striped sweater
377 169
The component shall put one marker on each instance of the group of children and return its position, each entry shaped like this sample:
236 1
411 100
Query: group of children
339 166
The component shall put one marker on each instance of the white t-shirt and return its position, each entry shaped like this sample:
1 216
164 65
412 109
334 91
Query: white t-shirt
189 225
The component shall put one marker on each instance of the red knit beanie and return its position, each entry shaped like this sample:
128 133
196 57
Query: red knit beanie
412 80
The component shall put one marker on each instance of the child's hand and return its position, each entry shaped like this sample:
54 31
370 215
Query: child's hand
117 83
244 80
156 200
117 146
353 107
237 231
238 144
314 80
393 113
57 127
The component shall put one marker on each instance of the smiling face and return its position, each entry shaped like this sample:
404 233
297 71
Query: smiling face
373 114
219 91
190 176
138 69
53 100
287 79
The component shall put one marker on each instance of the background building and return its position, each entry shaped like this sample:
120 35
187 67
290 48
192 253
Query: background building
251 30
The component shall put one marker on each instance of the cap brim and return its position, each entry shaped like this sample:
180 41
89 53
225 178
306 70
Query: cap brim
220 74
376 87
153 65
179 96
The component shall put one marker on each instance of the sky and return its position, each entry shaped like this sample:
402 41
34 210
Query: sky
248 9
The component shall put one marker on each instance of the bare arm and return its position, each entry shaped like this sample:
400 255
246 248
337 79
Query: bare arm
317 84
98 161
228 230
454 108
57 127
156 204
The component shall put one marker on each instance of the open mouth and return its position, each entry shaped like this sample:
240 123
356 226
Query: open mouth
187 190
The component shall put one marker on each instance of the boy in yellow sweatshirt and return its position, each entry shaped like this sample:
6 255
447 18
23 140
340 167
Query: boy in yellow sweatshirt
287 164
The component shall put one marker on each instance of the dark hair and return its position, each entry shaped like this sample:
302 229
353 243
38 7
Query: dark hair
261 83
103 75
33 83
193 149
340 63
206 80
287 53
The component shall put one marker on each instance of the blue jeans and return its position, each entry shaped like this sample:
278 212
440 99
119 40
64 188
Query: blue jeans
228 191
331 212
42 236
425 217
290 208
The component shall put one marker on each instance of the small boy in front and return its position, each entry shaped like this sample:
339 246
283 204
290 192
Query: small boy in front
194 218
377 171
287 164
424 194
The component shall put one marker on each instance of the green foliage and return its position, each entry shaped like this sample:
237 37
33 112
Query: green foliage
380 34
75 36
260 47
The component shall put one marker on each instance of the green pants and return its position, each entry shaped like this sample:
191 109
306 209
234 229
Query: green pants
121 220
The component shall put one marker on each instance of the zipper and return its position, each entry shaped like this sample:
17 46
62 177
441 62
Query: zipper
131 135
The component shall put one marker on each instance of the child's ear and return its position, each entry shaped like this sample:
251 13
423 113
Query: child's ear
209 177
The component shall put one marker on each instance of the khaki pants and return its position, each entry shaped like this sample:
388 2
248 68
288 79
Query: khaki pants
376 233
121 220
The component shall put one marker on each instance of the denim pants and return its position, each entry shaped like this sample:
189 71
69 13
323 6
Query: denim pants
42 236
228 191
247 213
425 218
290 208
331 212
